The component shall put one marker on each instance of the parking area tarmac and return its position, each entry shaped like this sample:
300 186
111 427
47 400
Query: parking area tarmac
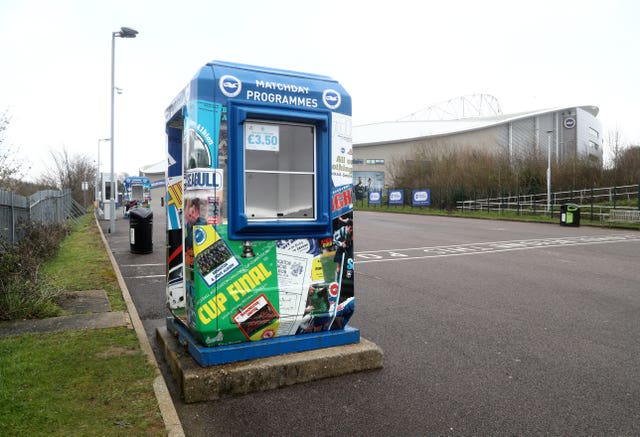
488 328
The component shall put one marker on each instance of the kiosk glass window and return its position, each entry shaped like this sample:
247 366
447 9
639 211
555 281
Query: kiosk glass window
197 153
279 171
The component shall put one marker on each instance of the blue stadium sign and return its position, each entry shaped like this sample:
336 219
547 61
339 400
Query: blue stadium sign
375 198
396 197
421 197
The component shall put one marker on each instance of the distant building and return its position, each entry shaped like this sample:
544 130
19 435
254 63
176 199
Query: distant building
567 131
155 173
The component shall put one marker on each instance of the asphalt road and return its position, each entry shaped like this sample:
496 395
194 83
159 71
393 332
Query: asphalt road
488 328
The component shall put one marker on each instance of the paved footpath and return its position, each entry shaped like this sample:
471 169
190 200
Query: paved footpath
124 261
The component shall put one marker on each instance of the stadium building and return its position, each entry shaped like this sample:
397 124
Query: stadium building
475 123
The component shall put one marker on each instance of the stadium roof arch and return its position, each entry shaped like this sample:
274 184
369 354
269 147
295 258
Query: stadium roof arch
403 130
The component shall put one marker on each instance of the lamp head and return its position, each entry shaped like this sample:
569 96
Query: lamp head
127 32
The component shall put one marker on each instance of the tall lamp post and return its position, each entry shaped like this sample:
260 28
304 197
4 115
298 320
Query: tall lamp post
549 132
97 199
125 32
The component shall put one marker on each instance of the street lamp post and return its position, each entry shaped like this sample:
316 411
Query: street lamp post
125 32
97 199
549 132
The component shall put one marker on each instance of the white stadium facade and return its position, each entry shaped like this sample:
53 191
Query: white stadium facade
476 123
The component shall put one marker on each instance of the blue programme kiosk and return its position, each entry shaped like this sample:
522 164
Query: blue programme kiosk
259 213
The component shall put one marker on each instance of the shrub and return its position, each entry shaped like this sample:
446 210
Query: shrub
28 300
24 292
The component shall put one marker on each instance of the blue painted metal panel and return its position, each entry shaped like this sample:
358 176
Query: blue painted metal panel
211 356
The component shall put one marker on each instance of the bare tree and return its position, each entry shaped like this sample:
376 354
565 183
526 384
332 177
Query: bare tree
11 168
70 171
628 165
614 144
464 174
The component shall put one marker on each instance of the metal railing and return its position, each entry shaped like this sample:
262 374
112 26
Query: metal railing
624 215
596 203
47 207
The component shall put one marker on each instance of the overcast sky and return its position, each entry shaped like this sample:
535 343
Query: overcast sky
393 57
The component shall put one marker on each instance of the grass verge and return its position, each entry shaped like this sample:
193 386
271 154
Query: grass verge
82 263
80 383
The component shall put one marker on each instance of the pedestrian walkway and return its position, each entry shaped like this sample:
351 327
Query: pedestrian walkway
119 250
84 310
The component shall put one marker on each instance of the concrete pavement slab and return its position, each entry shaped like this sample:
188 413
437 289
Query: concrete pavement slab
65 323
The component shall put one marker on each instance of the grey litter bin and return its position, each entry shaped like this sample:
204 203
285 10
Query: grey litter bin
141 230
570 215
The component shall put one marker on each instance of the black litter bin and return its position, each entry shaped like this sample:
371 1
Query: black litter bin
570 215
141 230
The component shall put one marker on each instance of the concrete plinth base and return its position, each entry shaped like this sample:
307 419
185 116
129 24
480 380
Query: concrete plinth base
214 382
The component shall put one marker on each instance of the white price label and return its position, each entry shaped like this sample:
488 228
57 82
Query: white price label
258 136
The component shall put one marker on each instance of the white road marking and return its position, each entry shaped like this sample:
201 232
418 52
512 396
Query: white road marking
486 247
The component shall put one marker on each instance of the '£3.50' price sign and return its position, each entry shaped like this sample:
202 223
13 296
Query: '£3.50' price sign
260 136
